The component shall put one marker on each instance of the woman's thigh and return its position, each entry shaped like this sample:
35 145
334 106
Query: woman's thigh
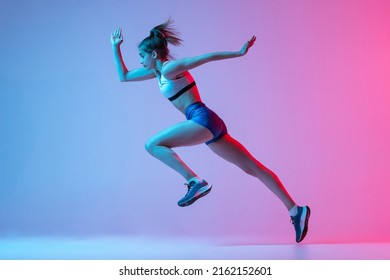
187 133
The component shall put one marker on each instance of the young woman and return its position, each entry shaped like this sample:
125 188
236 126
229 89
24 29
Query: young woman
202 124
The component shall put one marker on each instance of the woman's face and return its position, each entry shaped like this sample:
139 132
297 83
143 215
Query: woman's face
146 59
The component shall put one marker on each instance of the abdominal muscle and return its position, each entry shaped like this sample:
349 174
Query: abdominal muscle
186 99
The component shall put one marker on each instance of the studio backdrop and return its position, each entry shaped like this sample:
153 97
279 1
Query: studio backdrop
310 100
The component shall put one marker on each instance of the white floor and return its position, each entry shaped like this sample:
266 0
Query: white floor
147 249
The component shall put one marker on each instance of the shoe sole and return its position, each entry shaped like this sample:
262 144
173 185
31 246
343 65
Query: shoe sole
191 201
306 224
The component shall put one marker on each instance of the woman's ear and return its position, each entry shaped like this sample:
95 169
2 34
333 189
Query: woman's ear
154 54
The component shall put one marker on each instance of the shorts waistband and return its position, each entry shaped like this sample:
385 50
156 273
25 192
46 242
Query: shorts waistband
194 106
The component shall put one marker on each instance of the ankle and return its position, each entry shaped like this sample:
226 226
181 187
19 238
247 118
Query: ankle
293 210
195 179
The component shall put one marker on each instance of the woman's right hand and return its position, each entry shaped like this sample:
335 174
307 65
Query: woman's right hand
247 46
117 37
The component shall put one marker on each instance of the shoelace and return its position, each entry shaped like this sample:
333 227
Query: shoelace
188 186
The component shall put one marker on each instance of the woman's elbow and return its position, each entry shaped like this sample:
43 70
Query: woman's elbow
122 78
122 75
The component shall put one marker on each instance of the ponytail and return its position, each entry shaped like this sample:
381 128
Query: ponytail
159 38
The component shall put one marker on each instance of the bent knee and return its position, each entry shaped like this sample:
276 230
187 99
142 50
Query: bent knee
149 145
153 143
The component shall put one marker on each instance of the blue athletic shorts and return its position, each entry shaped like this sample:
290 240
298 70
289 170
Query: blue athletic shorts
199 113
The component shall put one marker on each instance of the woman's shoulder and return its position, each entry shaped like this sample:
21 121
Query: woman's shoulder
166 71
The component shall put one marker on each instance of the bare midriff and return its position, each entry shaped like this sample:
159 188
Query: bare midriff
186 99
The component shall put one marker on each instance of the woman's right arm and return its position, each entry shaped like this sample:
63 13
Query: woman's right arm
178 66
125 75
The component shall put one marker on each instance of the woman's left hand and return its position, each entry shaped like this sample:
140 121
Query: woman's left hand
247 46
117 37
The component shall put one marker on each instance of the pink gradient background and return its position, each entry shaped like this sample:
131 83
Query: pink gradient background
310 100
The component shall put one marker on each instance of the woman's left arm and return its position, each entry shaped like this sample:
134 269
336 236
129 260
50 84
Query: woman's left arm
176 67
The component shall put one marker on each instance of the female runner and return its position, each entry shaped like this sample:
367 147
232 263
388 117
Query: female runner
202 125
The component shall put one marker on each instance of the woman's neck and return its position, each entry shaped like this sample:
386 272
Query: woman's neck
159 65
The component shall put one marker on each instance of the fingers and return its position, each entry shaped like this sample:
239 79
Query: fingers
117 34
248 45
252 40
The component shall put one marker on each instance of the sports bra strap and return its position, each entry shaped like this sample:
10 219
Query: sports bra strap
183 90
